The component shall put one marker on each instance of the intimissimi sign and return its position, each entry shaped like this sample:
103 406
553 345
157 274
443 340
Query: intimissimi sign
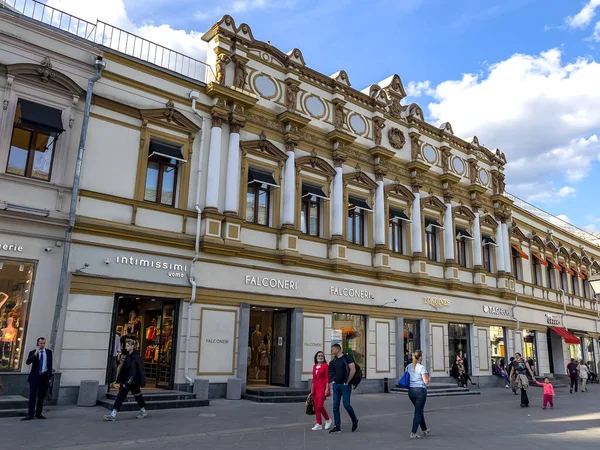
175 270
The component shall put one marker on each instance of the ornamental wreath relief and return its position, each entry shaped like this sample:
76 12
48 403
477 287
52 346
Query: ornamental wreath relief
396 138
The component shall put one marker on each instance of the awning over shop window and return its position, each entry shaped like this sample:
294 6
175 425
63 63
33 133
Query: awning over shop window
398 214
520 252
580 275
542 261
41 117
166 151
308 190
257 176
461 233
354 202
556 266
569 271
430 224
566 335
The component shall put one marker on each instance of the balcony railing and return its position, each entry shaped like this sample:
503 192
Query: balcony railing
113 38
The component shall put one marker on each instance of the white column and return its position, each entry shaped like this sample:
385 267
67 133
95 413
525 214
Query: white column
337 224
449 236
415 226
232 187
499 249
214 165
289 197
477 253
507 250
379 214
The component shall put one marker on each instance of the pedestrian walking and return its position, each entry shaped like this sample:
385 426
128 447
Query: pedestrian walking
584 374
131 378
548 392
417 393
521 369
512 376
573 372
320 391
341 373
40 360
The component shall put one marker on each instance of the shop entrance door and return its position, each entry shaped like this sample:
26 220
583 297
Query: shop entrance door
268 347
152 324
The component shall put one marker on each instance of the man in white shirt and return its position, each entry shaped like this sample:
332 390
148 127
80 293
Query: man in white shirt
40 360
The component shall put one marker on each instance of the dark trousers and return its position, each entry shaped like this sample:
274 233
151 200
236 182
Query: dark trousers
113 369
124 389
418 397
574 383
341 391
38 388
524 397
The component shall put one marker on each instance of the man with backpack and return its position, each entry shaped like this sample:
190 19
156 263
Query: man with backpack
573 372
343 374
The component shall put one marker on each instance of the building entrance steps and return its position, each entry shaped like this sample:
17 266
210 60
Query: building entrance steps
440 390
275 395
156 400
13 406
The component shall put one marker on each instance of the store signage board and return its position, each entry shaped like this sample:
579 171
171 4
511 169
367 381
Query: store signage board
351 292
552 319
313 340
174 270
217 342
497 311
435 302
16 248
271 283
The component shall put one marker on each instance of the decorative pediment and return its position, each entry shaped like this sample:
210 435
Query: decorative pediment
574 256
535 239
415 110
398 190
360 178
341 77
595 266
171 117
490 221
551 246
447 128
518 233
393 86
586 260
313 162
432 202
474 140
295 55
264 148
463 211
562 251
45 74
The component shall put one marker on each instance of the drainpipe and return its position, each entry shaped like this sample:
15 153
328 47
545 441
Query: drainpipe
99 65
513 312
564 302
194 95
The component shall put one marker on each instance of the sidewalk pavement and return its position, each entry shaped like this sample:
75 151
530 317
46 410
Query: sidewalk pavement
489 421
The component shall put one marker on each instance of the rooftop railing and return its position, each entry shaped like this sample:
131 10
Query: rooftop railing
112 37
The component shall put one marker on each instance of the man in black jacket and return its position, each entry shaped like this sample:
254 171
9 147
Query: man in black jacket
131 377
40 360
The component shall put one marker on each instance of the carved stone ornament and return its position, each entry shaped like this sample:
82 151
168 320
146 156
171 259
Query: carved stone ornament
7 90
446 159
45 70
291 96
395 108
170 110
415 147
473 170
396 138
239 79
217 120
338 115
378 125
221 68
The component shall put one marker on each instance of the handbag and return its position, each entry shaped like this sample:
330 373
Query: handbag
404 382
310 406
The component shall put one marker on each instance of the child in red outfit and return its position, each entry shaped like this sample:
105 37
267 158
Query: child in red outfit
548 392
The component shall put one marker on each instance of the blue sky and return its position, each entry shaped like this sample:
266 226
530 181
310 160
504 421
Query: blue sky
522 75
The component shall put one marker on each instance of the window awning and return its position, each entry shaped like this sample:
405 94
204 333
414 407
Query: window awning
257 176
166 151
309 190
569 271
520 252
556 266
354 202
398 214
487 240
41 117
580 275
432 223
542 261
566 335
461 233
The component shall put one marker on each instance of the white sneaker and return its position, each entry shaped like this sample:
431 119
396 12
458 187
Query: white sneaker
317 427
328 424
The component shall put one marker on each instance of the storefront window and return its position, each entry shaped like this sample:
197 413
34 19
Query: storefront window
591 355
529 350
349 330
458 344
575 352
16 279
412 339
497 343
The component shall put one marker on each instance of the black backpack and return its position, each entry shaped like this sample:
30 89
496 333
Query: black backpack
357 378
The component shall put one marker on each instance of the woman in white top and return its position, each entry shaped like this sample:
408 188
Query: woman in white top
417 393
584 374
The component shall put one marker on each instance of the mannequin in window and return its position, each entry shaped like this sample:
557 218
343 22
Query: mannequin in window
3 299
257 338
9 333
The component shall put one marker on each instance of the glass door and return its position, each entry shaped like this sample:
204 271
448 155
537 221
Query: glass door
165 346
280 348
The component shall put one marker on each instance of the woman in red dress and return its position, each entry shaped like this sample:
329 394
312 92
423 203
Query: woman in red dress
320 391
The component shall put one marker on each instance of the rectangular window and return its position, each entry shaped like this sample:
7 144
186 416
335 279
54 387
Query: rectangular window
161 172
432 228
412 339
458 344
516 264
575 284
537 272
551 276
349 331
498 345
563 281
586 288
529 349
488 243
461 249
258 196
310 214
16 279
35 131
357 215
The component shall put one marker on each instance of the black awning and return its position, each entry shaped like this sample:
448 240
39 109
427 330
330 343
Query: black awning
41 117
166 151
398 214
257 176
461 233
355 202
432 223
308 190
487 240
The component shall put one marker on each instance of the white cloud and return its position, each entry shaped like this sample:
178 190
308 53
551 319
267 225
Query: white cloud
596 35
542 112
567 191
584 17
417 89
114 13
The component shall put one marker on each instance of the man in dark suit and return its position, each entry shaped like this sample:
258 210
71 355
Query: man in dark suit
39 378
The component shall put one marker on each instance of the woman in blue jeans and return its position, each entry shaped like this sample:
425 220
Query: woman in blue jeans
417 393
